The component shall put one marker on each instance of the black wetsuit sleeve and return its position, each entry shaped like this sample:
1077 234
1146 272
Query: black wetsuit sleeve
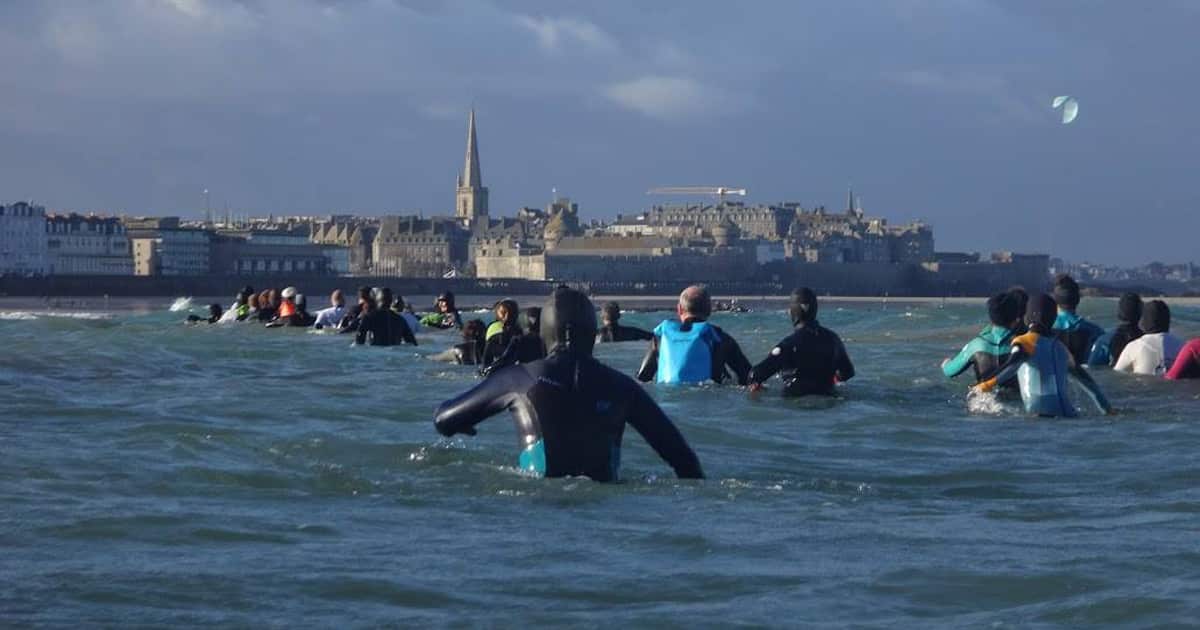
1009 372
649 367
662 435
360 331
632 333
732 356
505 359
844 369
776 360
488 398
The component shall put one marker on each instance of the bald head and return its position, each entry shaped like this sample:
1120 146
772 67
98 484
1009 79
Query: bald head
694 303
336 298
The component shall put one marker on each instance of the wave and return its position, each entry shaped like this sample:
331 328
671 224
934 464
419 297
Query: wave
35 315
181 304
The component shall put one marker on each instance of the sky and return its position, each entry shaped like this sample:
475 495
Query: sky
931 110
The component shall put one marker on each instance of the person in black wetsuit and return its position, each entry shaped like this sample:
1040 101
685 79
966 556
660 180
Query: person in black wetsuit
381 326
611 330
524 348
445 313
502 331
1076 333
214 315
692 350
570 409
1108 346
812 358
354 315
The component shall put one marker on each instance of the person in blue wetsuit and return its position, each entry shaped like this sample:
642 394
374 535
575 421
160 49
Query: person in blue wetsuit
988 351
1076 333
812 358
570 409
692 350
1041 364
1108 346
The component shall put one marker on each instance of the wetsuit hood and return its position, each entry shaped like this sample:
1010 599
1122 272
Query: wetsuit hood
1040 313
448 297
1129 309
1003 309
1156 318
512 309
1066 292
803 306
568 322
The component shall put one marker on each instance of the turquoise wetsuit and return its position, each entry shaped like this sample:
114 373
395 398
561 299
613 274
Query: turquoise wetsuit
1077 334
1042 364
987 353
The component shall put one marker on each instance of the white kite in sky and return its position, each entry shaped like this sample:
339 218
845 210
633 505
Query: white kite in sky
1070 108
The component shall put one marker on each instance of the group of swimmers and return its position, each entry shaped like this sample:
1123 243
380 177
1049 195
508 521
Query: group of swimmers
571 410
1037 353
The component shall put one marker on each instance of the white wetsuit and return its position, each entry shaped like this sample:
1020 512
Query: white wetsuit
1150 354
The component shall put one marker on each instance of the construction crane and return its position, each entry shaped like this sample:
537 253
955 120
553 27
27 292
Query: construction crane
720 192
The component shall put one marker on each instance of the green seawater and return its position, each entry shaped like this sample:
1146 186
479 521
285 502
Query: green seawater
155 474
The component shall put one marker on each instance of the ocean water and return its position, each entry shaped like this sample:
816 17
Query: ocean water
158 474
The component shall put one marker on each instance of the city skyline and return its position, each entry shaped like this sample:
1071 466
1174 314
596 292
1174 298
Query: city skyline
317 107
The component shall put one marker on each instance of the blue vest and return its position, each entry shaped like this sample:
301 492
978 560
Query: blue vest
685 356
1043 380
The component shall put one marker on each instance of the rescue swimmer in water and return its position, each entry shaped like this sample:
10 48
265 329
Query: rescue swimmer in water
570 410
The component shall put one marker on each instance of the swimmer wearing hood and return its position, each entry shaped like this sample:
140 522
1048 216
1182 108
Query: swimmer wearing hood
1042 363
526 347
1108 346
989 350
446 314
812 359
214 315
691 350
570 410
1076 333
1154 353
612 331
502 331
381 326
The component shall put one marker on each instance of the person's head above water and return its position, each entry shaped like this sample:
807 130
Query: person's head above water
803 306
1066 292
289 293
301 301
383 297
1156 318
214 312
506 311
568 322
445 302
611 313
1129 308
694 303
1003 309
1040 313
336 298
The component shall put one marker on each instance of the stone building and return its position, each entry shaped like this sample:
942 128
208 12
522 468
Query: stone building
23 250
356 235
239 255
162 248
416 247
87 245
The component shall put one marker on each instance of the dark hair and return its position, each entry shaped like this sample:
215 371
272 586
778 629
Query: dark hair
1066 292
696 301
1040 313
1156 318
1129 308
364 293
1003 309
803 307
612 311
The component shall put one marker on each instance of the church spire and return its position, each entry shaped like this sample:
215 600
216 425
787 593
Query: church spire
471 200
470 175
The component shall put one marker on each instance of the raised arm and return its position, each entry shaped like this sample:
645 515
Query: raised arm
488 398
662 435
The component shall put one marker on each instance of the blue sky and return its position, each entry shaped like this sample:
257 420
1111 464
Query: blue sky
931 110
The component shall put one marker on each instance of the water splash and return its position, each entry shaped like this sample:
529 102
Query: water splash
181 304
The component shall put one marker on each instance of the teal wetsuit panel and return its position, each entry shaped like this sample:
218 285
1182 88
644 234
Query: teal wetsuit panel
533 459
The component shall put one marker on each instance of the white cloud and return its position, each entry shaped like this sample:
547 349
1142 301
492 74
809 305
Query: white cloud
670 98
554 34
